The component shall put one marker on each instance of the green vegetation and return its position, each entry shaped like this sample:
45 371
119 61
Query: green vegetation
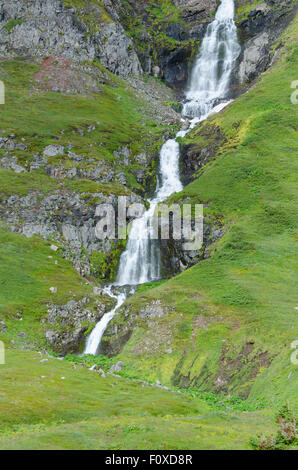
222 342
244 10
105 266
286 435
93 14
28 269
89 360
21 184
11 24
93 125
59 405
40 118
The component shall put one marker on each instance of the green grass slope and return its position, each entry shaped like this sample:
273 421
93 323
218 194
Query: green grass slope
40 117
28 269
231 318
51 405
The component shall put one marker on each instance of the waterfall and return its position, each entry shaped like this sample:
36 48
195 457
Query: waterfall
94 338
140 262
210 77
209 86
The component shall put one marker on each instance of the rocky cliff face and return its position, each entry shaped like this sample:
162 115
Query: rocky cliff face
259 27
166 36
70 220
72 47
132 37
55 28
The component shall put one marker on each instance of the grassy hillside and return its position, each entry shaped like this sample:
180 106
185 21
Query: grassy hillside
230 319
94 123
28 269
51 405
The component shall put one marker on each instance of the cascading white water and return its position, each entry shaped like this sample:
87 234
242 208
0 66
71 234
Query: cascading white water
211 73
94 338
140 262
209 84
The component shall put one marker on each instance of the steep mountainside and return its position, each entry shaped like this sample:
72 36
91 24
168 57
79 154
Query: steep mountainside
92 90
217 322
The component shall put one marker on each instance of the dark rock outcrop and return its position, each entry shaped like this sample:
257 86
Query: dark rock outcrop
168 43
197 153
257 32
175 256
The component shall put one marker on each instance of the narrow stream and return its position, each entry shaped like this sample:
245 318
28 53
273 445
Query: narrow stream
209 86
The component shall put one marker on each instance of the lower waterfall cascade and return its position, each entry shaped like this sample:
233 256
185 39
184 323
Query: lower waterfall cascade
206 94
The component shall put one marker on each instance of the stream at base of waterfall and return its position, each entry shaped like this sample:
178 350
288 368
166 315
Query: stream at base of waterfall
206 94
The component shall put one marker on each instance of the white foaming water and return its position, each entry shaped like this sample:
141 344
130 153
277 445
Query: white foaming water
94 338
140 262
210 78
209 84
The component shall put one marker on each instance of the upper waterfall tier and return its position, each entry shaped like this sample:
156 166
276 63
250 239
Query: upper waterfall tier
211 74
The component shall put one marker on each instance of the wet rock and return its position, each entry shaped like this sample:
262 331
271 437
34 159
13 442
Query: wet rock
195 156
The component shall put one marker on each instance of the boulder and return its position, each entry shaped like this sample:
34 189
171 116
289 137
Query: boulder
53 150
117 367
